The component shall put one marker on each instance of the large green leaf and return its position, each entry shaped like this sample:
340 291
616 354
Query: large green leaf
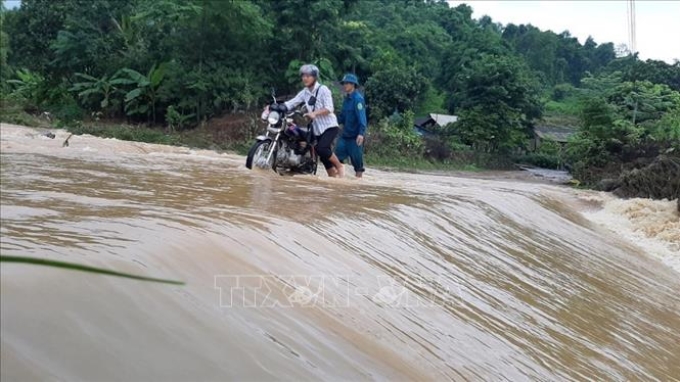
82 268
136 76
131 109
87 77
87 92
151 70
26 75
133 94
157 76
80 86
122 81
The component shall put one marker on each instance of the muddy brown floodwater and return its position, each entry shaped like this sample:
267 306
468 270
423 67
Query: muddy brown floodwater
396 277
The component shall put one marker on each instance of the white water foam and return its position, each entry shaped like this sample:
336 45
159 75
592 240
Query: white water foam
653 225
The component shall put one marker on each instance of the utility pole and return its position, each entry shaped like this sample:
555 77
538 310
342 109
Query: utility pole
633 48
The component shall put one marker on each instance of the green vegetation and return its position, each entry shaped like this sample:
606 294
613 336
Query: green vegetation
13 112
174 67
82 268
407 164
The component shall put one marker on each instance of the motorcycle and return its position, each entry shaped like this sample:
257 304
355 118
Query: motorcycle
286 146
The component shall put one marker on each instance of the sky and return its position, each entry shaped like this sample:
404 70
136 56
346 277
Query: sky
658 28
10 4
657 22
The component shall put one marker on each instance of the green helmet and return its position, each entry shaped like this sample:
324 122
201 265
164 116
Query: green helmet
350 78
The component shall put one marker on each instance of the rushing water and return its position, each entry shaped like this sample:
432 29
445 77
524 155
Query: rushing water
395 277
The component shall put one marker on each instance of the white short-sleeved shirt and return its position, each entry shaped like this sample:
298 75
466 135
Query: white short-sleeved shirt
324 100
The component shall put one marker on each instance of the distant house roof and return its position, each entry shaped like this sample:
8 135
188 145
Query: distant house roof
553 133
433 119
421 121
443 119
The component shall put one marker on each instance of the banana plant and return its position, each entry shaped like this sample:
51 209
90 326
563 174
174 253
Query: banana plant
142 99
104 88
176 119
27 86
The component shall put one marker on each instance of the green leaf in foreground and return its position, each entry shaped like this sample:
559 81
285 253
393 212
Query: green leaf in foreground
83 268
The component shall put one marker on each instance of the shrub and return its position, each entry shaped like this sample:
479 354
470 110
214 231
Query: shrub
436 148
26 89
562 91
395 138
667 130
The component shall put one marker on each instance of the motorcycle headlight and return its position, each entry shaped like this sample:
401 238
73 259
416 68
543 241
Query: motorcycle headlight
273 118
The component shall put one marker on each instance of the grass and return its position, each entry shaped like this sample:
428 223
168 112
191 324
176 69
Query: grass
82 268
201 137
418 164
126 133
13 113
571 108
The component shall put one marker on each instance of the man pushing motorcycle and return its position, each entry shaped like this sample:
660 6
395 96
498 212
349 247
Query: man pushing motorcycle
320 110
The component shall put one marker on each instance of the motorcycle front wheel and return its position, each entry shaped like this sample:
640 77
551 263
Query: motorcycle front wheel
258 154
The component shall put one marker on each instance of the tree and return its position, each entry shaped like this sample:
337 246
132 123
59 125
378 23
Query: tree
394 89
88 41
101 91
498 100
5 71
667 129
304 41
643 101
33 28
222 56
141 100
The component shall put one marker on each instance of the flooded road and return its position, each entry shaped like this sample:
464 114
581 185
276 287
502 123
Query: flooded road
396 277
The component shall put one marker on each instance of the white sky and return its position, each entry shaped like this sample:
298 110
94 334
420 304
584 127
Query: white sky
9 4
657 22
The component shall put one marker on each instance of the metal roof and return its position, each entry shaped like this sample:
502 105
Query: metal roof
554 134
438 119
443 119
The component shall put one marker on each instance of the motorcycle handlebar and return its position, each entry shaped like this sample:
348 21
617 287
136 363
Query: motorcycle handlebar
278 107
281 108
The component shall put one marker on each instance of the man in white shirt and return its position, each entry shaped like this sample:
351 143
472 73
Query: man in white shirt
319 101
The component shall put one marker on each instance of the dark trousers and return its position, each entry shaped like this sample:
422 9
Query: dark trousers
323 146
348 148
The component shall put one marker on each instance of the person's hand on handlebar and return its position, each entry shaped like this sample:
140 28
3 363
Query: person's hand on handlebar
278 107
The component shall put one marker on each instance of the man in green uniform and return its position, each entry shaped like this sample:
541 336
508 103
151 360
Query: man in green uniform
353 118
